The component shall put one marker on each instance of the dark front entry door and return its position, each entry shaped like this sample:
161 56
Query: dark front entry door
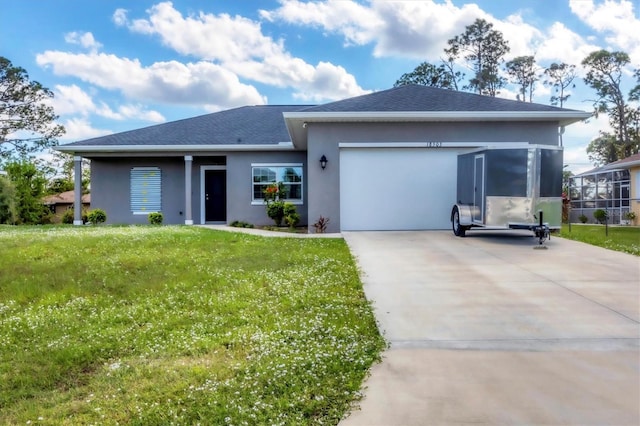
215 195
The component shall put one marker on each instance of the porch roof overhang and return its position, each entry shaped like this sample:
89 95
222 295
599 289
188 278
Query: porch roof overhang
297 121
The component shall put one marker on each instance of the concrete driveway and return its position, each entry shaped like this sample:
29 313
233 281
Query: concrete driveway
487 330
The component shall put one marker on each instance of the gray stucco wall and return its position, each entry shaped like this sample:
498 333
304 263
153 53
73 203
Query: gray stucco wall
110 174
110 186
239 185
323 139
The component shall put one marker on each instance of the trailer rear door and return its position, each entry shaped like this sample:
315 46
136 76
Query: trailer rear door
478 189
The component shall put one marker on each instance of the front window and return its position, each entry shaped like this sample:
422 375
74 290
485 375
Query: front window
146 190
290 175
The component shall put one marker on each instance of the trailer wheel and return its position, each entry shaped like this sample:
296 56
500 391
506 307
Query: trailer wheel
458 230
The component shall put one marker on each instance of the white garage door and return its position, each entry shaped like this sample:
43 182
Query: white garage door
396 188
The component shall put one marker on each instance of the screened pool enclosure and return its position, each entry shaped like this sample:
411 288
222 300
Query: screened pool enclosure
600 189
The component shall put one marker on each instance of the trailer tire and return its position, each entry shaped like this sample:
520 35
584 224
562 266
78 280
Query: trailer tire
458 230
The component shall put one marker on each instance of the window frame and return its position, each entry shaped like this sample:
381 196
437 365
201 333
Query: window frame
260 201
131 190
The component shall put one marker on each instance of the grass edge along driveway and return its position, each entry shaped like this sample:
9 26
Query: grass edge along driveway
179 325
619 238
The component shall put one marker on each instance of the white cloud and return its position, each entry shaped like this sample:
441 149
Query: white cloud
576 139
418 30
576 159
85 40
165 82
562 44
616 20
356 22
70 100
126 112
327 81
240 47
207 36
120 17
523 39
80 128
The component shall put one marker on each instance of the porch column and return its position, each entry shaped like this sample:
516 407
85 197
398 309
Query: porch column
77 190
188 166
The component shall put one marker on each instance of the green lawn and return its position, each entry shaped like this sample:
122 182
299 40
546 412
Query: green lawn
619 238
179 325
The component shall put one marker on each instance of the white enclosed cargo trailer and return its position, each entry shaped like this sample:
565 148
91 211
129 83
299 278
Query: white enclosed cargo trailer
509 188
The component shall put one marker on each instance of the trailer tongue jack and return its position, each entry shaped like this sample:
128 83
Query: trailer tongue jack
541 231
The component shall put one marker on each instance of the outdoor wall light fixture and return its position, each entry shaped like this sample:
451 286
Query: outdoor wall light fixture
323 162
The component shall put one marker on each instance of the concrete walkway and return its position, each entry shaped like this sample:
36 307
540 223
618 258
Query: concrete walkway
267 233
487 330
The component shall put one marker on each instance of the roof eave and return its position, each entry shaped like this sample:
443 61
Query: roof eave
297 121
623 165
183 149
567 117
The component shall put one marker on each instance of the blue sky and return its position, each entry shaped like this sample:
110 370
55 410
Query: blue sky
120 65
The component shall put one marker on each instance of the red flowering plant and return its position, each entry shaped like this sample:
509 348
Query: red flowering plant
274 196
274 192
566 207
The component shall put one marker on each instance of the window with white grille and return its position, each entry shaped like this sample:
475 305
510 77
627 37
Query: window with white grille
290 175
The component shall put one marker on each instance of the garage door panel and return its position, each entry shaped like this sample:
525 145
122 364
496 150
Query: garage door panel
396 189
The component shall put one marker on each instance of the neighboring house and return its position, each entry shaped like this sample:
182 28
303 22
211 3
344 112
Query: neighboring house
632 163
391 159
614 188
60 203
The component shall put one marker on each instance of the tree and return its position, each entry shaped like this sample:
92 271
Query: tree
523 72
484 48
634 94
59 170
29 184
427 74
560 77
604 75
633 118
566 177
59 185
7 201
603 149
26 120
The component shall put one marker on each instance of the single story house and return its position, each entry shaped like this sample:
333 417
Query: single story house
390 159
59 203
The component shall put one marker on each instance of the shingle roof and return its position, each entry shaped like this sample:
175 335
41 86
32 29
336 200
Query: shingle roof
625 163
249 125
631 160
424 98
265 124
67 197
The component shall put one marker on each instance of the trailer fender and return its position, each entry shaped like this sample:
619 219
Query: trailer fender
460 220
465 214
